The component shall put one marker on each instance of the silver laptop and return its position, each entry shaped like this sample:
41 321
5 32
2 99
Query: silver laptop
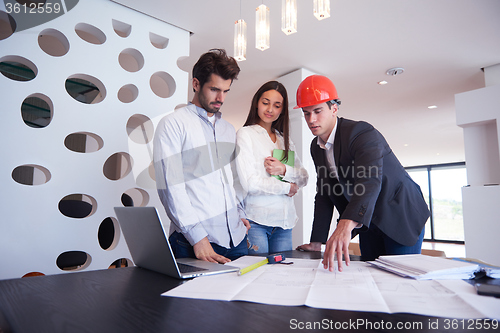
149 246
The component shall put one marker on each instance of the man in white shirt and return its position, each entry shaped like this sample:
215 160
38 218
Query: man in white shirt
194 151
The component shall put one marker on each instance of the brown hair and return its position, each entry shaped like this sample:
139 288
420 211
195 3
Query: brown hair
215 61
282 123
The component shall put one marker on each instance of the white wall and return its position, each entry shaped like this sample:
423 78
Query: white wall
478 113
33 232
301 136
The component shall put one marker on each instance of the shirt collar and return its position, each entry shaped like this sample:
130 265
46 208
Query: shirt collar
203 113
259 128
329 143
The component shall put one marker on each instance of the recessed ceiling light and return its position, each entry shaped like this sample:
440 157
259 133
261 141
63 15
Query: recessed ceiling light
432 107
406 145
382 82
395 71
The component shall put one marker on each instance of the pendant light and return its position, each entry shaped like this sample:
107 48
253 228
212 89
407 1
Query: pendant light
321 9
289 16
262 28
240 39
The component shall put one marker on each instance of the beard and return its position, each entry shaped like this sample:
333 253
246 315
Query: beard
207 105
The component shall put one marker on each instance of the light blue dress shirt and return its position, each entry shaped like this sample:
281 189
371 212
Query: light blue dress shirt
194 168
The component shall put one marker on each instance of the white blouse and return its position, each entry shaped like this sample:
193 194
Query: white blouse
266 201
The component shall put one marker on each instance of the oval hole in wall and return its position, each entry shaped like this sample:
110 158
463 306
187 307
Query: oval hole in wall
123 262
83 142
109 233
90 34
127 200
128 93
140 129
18 68
73 260
162 84
31 174
117 166
53 42
122 29
131 60
37 110
85 88
77 206
140 197
30 274
158 41
7 25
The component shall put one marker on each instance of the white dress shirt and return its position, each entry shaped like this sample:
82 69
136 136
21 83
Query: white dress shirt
194 162
266 200
328 147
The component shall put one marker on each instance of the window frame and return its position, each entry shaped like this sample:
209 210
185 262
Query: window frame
428 169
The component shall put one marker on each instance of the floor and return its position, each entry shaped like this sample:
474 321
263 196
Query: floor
451 250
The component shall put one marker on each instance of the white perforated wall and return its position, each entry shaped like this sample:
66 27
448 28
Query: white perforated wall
132 60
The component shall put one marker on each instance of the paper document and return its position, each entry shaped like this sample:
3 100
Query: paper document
422 267
359 287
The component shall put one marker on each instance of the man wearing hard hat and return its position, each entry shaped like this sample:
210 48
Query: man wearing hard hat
358 174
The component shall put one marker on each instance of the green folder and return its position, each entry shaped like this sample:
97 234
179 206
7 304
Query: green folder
280 154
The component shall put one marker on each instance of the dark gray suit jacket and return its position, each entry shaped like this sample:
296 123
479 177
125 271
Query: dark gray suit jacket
373 186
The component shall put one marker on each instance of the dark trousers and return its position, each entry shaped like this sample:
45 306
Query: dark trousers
374 243
182 248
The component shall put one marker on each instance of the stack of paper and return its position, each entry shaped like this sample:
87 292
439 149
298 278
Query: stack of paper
424 267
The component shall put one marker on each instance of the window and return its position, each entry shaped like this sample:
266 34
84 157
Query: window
442 189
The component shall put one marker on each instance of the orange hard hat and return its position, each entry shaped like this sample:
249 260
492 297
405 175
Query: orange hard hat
315 89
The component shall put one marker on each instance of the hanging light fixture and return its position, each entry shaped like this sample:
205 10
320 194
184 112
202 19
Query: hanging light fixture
289 16
240 39
321 9
262 27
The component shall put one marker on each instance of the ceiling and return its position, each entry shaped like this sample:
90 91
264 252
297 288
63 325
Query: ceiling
441 44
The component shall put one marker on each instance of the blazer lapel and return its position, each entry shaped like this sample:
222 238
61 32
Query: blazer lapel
320 155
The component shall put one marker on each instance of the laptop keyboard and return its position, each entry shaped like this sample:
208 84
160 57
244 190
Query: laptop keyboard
183 268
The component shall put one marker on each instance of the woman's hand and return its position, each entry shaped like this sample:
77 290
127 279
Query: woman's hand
274 167
293 189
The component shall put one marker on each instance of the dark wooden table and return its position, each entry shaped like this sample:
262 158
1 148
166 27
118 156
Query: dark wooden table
129 300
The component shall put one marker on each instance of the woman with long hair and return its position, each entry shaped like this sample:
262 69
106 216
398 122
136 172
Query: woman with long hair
269 170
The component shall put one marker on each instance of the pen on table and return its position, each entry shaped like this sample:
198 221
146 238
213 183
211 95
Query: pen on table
272 259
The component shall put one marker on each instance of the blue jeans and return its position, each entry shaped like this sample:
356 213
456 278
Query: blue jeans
374 243
267 240
182 248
